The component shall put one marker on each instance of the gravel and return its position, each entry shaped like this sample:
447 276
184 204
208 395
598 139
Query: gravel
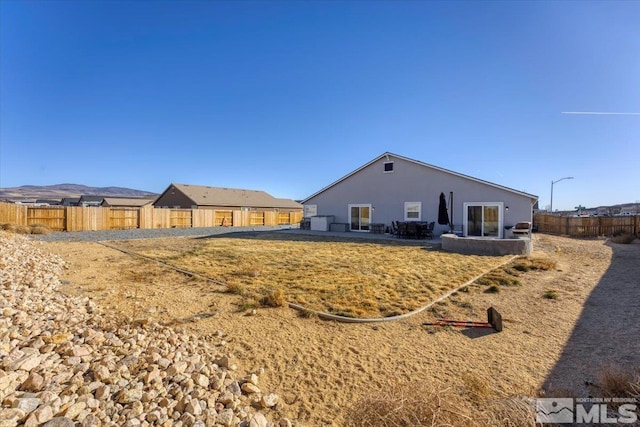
64 361
139 233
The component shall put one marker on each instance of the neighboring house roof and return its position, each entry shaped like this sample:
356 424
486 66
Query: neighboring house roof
217 196
521 193
126 201
49 201
87 199
70 201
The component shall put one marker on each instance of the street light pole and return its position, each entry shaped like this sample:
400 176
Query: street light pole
553 182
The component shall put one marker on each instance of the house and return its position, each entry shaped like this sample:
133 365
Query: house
48 202
629 210
70 201
85 200
126 202
396 188
203 197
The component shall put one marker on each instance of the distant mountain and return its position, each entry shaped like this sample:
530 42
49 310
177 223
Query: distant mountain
58 191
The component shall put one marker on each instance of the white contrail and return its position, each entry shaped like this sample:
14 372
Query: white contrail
601 113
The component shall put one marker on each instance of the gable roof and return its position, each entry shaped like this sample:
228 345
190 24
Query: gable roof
218 196
126 201
90 198
388 154
68 201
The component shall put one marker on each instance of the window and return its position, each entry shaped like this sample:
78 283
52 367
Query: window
310 210
388 167
412 211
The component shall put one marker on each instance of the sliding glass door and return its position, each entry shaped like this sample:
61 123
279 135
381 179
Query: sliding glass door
359 217
483 219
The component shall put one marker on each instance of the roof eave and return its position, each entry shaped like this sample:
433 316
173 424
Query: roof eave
387 153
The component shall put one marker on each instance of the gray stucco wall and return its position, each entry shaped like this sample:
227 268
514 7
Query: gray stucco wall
413 182
492 247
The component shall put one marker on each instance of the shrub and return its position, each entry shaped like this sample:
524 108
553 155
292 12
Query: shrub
248 304
498 278
274 298
615 381
493 289
306 313
40 229
236 288
23 229
423 404
248 270
464 304
550 294
623 238
524 264
522 267
9 226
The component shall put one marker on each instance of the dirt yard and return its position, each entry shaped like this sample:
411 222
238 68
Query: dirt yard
320 368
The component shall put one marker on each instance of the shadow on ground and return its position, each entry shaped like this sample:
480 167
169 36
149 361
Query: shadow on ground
608 328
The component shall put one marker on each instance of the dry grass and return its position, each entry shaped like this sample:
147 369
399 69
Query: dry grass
25 229
347 277
498 278
22 229
508 275
528 263
274 298
616 381
39 229
425 404
623 238
236 288
9 227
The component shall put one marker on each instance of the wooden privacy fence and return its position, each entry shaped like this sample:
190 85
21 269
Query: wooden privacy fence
52 217
74 218
124 218
587 226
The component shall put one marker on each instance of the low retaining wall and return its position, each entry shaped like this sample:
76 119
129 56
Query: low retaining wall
484 246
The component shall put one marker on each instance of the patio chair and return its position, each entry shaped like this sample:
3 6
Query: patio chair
412 229
428 231
402 230
394 228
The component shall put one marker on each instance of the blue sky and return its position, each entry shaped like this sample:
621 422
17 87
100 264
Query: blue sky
288 96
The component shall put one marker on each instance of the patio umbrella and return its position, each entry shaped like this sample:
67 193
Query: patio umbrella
443 215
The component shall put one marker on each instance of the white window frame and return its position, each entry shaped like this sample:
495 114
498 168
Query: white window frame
384 167
465 217
360 205
310 209
406 211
